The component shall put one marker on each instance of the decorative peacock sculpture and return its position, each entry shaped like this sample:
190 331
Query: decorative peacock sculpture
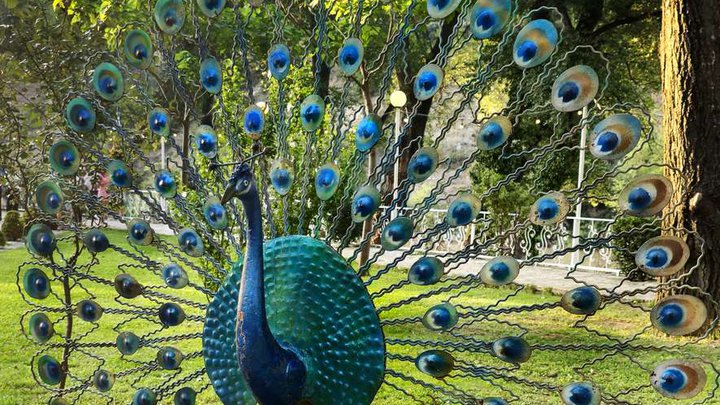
282 284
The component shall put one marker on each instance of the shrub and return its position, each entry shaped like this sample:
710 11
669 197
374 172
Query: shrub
12 227
2 239
631 242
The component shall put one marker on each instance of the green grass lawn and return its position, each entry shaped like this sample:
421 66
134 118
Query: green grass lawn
614 374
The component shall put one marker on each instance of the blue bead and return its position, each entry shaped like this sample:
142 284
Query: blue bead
185 396
144 397
120 176
139 231
171 314
672 380
254 121
639 198
608 141
581 395
463 213
427 81
499 271
349 55
568 92
486 19
527 50
547 209
127 343
656 258
671 315
67 158
364 205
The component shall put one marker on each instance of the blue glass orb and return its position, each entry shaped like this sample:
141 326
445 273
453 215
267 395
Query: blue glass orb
278 61
679 315
40 327
127 343
440 317
171 314
512 350
108 82
435 363
80 115
50 370
489 17
36 283
646 195
549 209
89 311
119 174
138 49
190 242
575 88
426 271
211 8
327 181
428 81
501 270
581 301
312 111
535 43
396 233
127 287
614 137
350 56
423 164
140 233
159 122
580 394
678 379
185 396
49 197
662 256
211 76
494 133
165 184
64 158
282 176
103 380
144 397
463 210
494 401
215 213
174 276
169 15
254 122
206 141
365 203
439 9
368 132
169 358
40 240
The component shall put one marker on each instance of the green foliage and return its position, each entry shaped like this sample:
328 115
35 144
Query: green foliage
630 233
3 242
12 226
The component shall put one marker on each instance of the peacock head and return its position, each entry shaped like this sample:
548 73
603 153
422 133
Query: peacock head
240 185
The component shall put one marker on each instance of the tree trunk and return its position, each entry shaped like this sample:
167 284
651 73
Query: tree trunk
691 123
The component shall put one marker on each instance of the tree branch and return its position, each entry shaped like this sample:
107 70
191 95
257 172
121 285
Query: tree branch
626 21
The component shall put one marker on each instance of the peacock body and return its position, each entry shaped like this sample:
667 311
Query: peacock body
261 300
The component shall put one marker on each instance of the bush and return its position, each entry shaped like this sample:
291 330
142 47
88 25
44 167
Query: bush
632 242
12 227
2 239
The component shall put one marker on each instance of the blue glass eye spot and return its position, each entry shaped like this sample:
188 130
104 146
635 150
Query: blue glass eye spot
282 176
170 15
679 315
138 49
428 82
396 233
439 9
350 56
365 202
190 242
206 141
89 311
127 343
211 8
159 122
614 137
103 380
463 210
215 213
40 240
489 17
423 164
49 370
211 76
535 43
312 111
144 396
580 394
581 301
368 132
440 317
646 195
119 174
174 276
95 241
49 197
435 363
527 50
494 401
171 314
549 209
494 133
662 256
678 379
501 270
80 115
426 271
64 158
140 233
36 283
169 358
41 328
512 350
327 181
127 287
165 184
279 61
185 396
575 88
108 82
254 122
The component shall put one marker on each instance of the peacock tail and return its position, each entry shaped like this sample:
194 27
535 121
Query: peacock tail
303 258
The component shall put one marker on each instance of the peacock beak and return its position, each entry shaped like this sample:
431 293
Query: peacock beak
229 193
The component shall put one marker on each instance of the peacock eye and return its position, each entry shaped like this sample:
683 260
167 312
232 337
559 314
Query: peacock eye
426 271
159 122
494 133
423 164
138 49
501 270
140 233
679 315
575 88
435 363
215 213
40 327
581 301
440 317
190 242
350 56
646 195
80 115
119 174
279 61
171 314
49 197
206 141
170 15
169 358
103 380
580 394
174 276
327 181
254 122
396 233
127 286
463 210
165 184
108 82
64 158
89 311
49 370
365 202
211 8
428 81
678 379
144 396
615 136
368 132
535 43
662 256
494 401
489 17
127 343
439 9
95 241
282 176
40 240
512 350
312 111
211 76
36 283
549 209
185 396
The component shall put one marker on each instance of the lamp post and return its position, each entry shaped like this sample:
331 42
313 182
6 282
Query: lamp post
575 258
398 99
